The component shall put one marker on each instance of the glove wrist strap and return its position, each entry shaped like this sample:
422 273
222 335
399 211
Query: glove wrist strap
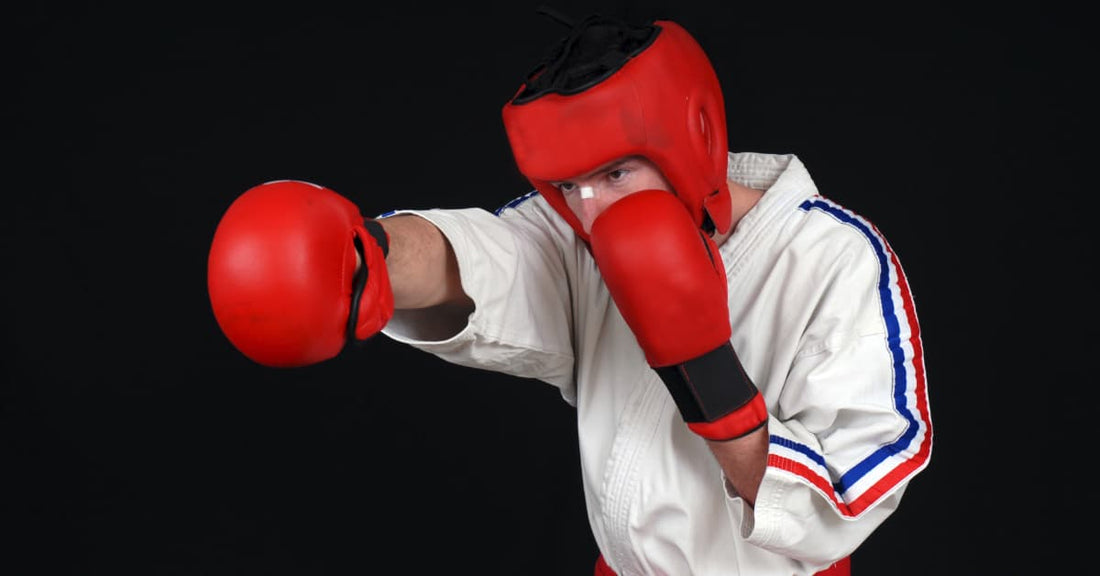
716 398
359 283
379 233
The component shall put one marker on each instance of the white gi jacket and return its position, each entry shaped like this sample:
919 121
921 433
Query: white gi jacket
823 323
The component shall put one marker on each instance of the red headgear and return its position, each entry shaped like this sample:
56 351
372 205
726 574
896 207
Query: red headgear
665 103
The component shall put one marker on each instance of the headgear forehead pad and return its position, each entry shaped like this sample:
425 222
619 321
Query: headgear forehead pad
609 90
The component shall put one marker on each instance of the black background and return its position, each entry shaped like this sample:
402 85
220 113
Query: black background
135 439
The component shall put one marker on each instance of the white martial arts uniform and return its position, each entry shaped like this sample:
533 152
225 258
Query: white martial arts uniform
823 323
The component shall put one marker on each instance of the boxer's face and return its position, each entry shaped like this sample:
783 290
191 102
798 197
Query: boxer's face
590 194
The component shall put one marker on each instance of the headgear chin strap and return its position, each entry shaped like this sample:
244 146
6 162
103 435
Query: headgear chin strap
661 100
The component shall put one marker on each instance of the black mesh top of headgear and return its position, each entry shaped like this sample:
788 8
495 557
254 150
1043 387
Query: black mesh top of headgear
593 50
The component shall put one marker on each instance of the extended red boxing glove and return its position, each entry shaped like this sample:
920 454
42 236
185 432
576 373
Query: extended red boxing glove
668 280
282 274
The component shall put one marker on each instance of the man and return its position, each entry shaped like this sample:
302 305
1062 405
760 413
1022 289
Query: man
743 353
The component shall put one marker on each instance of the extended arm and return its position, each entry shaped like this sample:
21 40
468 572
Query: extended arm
422 266
295 272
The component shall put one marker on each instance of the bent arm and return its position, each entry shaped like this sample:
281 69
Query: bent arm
744 461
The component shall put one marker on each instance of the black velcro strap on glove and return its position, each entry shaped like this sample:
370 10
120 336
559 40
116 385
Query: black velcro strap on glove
710 387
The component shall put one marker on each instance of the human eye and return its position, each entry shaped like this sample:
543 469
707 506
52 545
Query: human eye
565 187
618 174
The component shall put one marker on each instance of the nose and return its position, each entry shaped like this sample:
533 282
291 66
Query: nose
592 205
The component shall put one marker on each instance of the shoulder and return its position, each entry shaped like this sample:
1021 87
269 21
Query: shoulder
532 215
832 224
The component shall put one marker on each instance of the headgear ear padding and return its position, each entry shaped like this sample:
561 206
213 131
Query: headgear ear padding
663 102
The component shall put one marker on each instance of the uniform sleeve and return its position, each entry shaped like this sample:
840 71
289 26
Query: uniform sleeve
512 267
851 426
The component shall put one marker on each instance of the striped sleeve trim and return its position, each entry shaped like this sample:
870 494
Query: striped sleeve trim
877 475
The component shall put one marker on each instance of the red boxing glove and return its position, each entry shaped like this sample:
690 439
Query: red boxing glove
282 274
669 283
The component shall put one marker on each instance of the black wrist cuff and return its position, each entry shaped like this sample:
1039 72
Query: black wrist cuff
359 282
710 386
379 234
